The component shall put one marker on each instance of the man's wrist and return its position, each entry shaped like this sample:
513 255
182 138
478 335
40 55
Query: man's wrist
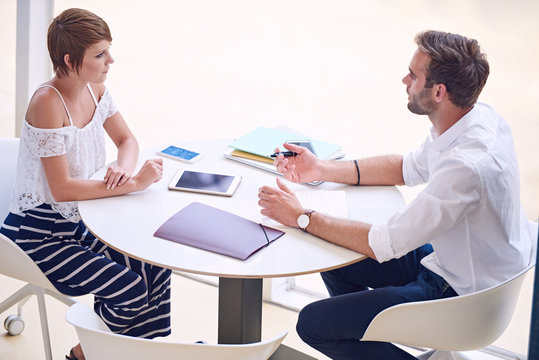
324 167
357 172
304 219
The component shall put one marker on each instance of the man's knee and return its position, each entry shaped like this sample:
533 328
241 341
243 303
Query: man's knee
308 323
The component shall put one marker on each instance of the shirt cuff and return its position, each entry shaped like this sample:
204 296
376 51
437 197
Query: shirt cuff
380 242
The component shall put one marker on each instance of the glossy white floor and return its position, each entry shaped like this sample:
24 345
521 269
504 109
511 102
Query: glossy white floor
206 69
194 317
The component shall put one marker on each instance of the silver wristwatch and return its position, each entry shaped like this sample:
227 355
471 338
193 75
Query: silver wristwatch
304 219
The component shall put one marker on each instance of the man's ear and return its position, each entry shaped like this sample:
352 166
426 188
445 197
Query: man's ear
67 61
440 92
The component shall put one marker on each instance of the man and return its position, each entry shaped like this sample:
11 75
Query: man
466 230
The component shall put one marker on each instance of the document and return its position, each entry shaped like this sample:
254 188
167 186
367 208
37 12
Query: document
216 230
262 141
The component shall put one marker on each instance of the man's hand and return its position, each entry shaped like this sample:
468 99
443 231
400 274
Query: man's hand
280 204
301 168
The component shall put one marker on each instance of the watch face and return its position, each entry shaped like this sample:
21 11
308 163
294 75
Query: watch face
303 221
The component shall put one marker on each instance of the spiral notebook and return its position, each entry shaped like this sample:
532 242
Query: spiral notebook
216 230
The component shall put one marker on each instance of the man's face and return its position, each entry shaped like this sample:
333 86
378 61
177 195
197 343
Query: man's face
420 99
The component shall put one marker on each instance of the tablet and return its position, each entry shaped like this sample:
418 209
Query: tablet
207 183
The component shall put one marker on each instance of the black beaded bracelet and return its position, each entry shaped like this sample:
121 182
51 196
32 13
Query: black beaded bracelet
357 169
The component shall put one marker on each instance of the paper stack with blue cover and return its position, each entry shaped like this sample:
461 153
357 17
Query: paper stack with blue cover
255 148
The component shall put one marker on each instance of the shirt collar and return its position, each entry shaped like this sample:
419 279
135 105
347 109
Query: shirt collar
441 142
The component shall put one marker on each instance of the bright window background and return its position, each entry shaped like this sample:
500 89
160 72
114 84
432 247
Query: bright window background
332 69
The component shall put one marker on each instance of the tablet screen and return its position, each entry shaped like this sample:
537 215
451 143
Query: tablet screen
204 181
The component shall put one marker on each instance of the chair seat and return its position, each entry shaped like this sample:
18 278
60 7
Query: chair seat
98 342
460 323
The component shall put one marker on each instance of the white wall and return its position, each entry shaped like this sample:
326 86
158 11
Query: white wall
332 69
329 68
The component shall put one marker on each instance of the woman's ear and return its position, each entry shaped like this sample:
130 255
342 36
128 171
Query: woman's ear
67 61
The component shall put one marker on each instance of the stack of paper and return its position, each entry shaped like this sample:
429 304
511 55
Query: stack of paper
254 149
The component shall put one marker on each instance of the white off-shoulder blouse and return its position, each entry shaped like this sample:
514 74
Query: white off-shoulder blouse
84 148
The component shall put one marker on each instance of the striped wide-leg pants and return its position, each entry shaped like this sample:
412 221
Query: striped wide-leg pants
132 297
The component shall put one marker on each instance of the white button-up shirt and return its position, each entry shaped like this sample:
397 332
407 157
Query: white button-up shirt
469 210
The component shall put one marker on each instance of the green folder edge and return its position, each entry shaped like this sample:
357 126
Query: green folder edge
262 141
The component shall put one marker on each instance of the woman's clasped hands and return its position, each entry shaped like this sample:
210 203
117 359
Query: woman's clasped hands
150 172
116 176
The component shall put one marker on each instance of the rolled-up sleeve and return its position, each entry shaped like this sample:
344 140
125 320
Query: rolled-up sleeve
380 242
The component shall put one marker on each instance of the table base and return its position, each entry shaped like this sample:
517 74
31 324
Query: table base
240 316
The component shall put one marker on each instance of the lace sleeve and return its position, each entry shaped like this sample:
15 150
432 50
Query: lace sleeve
107 105
46 142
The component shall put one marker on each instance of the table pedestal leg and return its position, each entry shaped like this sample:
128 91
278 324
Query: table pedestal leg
240 311
240 316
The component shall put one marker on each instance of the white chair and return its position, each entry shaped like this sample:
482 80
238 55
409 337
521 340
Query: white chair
16 264
461 323
98 342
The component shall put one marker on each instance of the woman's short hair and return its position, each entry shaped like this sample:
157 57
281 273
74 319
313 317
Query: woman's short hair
73 32
457 62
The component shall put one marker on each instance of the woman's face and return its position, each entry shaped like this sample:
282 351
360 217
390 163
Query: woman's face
96 62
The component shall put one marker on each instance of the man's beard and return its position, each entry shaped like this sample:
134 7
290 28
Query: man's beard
421 104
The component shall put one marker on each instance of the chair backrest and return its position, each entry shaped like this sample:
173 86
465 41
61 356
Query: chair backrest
460 323
100 343
16 264
13 260
9 150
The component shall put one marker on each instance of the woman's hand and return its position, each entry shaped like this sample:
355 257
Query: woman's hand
302 168
116 176
280 204
151 172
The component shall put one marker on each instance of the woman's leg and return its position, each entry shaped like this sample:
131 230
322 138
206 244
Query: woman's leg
153 318
133 301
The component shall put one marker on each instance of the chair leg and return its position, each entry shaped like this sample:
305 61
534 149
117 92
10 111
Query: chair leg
21 297
461 356
40 293
426 355
439 355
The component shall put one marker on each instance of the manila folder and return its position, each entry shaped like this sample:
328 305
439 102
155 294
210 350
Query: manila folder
216 230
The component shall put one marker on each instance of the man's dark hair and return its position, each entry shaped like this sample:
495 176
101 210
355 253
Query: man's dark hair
457 62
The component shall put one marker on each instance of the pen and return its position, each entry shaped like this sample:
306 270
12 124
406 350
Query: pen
284 153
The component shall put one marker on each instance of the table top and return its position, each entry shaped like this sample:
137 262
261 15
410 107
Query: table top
127 223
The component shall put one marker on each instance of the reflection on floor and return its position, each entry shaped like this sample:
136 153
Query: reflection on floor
194 314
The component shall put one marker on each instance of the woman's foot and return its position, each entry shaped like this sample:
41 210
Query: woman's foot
76 353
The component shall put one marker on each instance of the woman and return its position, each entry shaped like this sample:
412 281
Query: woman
61 146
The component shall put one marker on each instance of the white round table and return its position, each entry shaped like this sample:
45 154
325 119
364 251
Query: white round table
127 223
